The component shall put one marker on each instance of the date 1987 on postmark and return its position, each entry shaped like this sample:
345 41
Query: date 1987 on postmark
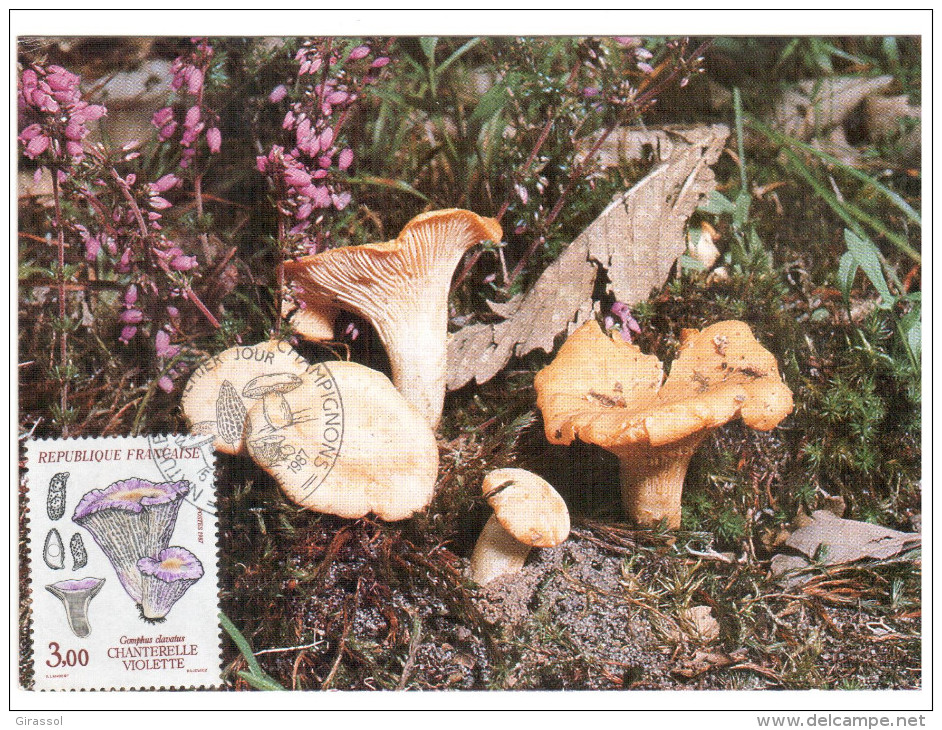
123 566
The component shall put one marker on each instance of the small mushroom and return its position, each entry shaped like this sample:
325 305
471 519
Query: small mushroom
528 513
271 389
401 287
166 577
606 392
76 595
212 402
355 446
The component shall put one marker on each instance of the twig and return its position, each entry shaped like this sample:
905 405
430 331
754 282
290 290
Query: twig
276 650
63 331
347 625
145 235
414 643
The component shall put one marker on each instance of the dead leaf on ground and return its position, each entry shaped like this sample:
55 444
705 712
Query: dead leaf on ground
831 540
816 105
636 239
695 624
703 661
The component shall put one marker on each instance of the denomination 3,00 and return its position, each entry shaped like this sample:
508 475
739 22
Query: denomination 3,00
72 658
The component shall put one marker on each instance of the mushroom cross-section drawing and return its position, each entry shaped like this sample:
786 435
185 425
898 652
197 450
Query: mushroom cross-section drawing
271 389
401 287
131 519
362 448
76 595
606 392
528 513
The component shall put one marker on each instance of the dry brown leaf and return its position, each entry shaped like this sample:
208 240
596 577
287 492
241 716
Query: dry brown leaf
816 105
849 540
636 239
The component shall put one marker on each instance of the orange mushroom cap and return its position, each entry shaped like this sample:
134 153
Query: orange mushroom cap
606 392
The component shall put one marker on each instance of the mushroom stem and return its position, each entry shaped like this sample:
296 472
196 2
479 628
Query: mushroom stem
417 347
277 410
496 553
652 480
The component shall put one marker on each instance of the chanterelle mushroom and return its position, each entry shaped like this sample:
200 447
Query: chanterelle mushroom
401 287
352 445
606 392
528 513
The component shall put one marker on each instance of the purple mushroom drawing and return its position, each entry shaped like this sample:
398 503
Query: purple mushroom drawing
166 578
75 596
130 520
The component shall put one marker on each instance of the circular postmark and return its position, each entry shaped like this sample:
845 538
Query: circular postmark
190 457
300 439
224 387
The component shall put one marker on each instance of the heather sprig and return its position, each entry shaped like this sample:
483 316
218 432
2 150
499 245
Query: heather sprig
307 173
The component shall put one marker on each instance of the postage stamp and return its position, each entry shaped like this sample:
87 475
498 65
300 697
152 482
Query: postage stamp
123 568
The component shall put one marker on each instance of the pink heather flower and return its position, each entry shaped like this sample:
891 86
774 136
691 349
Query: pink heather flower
359 52
172 311
43 101
124 265
194 82
165 183
190 135
324 161
340 201
89 113
127 334
297 178
288 120
645 67
643 54
38 176
303 131
75 131
278 93
158 203
162 117
92 247
590 91
261 162
214 139
61 176
164 348
36 146
379 62
74 149
166 132
30 132
337 97
326 138
304 211
351 331
131 316
166 384
321 197
130 296
319 174
183 263
345 159
192 116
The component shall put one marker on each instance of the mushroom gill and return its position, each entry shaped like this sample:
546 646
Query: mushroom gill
401 287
